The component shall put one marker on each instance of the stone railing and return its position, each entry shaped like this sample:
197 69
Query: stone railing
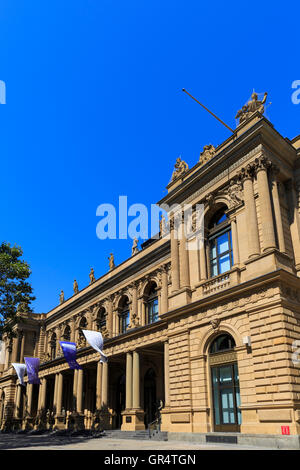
217 283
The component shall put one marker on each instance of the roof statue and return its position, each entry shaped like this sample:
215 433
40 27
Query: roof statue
180 168
135 248
207 153
75 286
61 296
253 105
111 261
92 276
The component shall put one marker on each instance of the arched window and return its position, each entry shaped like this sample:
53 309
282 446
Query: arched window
67 333
220 244
81 337
222 343
124 315
101 319
53 346
152 303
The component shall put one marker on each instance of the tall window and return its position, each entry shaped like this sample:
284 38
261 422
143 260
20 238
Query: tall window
124 315
101 319
220 244
67 334
152 304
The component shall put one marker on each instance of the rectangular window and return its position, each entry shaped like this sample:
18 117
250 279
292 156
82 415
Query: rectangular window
153 310
221 258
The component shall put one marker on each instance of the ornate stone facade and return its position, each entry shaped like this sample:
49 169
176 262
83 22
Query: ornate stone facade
165 312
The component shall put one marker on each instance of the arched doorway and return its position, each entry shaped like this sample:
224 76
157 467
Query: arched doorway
150 404
225 384
120 400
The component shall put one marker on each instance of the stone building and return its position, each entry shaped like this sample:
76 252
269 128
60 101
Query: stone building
208 334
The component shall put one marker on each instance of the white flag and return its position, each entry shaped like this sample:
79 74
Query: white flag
95 339
20 370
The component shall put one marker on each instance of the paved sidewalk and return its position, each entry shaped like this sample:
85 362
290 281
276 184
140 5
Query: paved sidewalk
27 442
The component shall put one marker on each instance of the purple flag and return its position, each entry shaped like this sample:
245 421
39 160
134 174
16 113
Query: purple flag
69 350
32 366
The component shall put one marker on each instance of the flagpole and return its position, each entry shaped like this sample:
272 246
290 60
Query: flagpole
220 120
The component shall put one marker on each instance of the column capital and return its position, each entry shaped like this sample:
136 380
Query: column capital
262 163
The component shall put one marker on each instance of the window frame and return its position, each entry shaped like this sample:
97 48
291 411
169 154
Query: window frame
216 231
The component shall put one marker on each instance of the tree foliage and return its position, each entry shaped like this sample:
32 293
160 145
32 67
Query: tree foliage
15 291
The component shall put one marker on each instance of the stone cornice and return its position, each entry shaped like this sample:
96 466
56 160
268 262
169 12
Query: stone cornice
111 282
228 158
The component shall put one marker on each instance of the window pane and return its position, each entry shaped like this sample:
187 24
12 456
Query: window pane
225 374
214 268
223 244
224 264
213 251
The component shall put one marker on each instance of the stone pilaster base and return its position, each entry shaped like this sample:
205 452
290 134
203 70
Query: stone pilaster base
133 420
182 296
75 421
60 422
28 423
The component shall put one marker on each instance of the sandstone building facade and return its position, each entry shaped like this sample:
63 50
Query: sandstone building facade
207 336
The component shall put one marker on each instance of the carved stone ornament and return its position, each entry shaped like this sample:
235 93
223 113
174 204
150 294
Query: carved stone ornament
180 168
207 154
235 193
215 323
135 321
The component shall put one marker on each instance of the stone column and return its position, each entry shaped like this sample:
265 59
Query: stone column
109 316
277 211
73 329
42 394
79 391
18 401
167 374
184 259
58 337
104 390
128 380
164 289
250 213
174 255
15 347
267 223
29 389
136 381
295 222
134 298
235 242
59 393
99 386
74 400
22 347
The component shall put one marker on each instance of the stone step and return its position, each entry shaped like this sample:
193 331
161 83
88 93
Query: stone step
136 435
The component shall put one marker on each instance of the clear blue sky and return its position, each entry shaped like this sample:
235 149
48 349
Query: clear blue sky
95 110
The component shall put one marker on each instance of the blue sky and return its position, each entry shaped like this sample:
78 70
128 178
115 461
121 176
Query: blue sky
95 110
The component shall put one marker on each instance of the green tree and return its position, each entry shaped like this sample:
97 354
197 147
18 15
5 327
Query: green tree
15 291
